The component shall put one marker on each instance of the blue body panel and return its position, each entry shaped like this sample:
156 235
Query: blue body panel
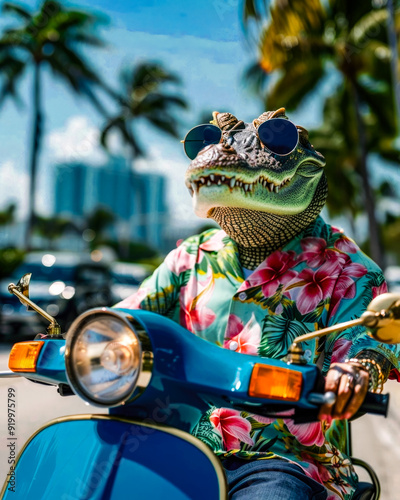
189 375
50 366
101 459
196 373
104 459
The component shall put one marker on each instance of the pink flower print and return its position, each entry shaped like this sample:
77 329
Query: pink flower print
232 427
341 350
316 470
243 338
269 420
346 245
315 286
316 253
215 243
378 290
194 297
307 434
345 287
134 300
274 271
180 260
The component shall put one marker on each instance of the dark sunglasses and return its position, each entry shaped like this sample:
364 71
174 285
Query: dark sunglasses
279 135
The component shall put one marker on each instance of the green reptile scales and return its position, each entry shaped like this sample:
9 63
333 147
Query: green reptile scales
258 234
259 231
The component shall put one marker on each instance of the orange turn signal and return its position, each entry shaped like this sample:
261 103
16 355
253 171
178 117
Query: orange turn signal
274 382
24 355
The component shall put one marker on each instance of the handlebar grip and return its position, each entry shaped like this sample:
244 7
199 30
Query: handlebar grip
375 403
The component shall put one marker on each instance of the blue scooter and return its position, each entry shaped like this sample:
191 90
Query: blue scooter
157 380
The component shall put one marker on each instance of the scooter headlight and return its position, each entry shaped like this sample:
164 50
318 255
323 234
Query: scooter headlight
107 357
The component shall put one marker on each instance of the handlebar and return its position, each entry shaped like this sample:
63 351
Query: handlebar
375 403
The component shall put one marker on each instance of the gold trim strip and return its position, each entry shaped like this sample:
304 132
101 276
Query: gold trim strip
223 490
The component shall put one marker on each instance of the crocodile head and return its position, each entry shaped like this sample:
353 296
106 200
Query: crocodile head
241 173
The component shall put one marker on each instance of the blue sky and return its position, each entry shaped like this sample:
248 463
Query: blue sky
202 42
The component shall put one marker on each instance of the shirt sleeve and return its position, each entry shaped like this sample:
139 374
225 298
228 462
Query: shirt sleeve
350 298
159 293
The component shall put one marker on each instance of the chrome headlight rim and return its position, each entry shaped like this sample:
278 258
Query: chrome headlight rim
144 374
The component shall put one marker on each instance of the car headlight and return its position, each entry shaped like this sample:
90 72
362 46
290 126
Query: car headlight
107 356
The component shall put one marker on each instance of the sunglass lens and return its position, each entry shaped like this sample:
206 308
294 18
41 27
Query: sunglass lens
200 137
279 135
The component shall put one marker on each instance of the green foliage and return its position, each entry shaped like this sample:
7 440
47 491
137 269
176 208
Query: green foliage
52 228
137 252
144 95
10 259
52 35
298 47
7 216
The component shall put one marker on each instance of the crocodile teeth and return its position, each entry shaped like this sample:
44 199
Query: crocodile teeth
246 187
208 182
271 186
219 182
202 180
276 189
232 182
222 178
212 177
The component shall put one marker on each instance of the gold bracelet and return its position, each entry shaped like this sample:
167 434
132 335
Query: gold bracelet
376 377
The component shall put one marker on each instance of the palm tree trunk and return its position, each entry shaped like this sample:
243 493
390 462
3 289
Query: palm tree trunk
35 149
369 198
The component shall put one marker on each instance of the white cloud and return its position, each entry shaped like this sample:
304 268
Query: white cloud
78 141
13 187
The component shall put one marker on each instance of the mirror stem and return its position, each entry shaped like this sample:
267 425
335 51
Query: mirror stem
54 328
296 353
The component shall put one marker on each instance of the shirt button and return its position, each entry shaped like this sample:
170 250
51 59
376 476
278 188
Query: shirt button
233 345
242 296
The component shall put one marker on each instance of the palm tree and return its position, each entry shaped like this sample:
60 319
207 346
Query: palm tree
303 42
98 222
144 96
7 216
47 38
51 228
336 137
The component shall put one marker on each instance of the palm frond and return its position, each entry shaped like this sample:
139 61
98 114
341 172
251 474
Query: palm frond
295 84
13 8
374 22
255 78
164 124
12 70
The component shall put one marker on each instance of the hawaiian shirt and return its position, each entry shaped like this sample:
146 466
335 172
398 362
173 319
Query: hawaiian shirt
318 279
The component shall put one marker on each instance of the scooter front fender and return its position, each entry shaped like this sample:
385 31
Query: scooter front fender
99 457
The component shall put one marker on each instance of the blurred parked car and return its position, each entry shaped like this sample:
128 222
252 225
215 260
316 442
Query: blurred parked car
127 278
63 284
392 275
